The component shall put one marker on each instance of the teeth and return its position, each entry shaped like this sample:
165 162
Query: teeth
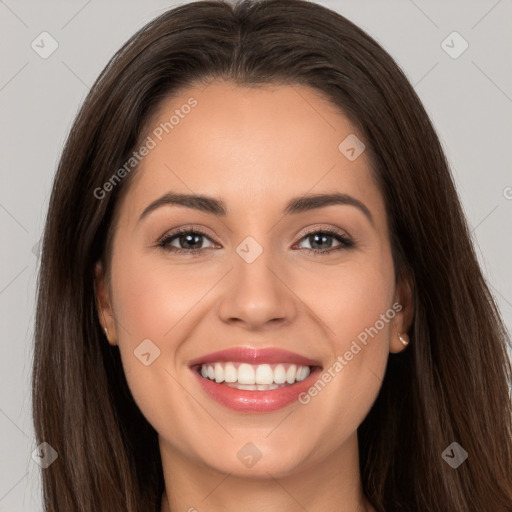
302 373
230 372
246 374
291 374
279 374
256 387
264 374
219 372
254 376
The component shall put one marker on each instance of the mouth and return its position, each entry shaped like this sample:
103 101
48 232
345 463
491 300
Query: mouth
250 380
252 377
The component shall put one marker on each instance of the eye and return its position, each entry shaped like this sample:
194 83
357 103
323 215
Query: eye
190 241
323 237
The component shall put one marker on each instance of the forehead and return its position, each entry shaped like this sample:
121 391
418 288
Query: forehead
252 147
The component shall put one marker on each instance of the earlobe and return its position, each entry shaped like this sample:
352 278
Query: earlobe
103 306
399 337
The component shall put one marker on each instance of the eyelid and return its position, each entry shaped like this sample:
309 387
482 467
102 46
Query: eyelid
186 228
344 239
327 229
307 231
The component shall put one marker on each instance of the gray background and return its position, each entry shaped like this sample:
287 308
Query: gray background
468 98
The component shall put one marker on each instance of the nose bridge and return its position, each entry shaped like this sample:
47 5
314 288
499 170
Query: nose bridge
253 262
257 293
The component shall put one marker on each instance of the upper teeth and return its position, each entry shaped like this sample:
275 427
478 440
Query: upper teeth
244 373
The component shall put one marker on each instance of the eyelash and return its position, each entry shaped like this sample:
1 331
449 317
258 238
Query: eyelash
345 242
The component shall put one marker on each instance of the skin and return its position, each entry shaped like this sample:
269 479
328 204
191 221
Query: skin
255 149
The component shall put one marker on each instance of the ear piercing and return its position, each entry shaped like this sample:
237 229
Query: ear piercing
106 334
404 339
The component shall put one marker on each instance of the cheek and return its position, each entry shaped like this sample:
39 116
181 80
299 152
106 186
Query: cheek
152 308
152 297
357 308
351 297
358 312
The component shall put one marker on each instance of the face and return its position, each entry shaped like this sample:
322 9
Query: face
311 286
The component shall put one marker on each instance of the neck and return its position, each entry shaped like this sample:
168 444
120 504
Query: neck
332 485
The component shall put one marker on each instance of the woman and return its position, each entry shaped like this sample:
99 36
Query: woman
368 374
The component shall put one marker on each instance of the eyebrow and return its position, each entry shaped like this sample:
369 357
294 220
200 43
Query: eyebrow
294 206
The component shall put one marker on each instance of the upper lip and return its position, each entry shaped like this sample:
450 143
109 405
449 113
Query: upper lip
255 356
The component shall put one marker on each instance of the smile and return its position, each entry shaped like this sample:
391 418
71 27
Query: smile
251 380
254 377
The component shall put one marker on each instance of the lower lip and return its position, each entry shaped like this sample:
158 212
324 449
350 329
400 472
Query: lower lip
256 401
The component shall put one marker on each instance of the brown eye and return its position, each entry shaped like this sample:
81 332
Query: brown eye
189 241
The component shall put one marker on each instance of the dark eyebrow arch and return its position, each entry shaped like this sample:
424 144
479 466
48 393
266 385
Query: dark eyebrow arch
313 201
217 207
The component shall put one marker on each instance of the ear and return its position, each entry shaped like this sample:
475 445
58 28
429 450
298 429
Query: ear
404 316
103 304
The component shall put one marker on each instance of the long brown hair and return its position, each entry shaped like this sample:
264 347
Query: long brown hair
450 385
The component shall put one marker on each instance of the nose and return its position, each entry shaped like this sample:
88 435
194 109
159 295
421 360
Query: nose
257 295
